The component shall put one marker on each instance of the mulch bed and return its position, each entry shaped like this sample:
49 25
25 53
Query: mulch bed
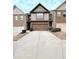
19 36
61 35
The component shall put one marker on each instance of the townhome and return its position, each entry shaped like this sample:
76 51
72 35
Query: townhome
19 19
60 16
61 13
40 18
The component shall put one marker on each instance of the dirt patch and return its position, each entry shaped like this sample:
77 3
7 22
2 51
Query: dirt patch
19 36
62 26
61 35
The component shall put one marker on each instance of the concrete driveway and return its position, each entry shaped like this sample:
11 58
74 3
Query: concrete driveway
39 45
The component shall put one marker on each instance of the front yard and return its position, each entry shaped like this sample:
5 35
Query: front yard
18 36
61 35
17 30
62 26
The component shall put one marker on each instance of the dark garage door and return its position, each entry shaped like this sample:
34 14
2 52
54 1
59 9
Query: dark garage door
40 26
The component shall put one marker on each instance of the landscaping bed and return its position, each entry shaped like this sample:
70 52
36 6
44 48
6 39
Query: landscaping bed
61 35
19 36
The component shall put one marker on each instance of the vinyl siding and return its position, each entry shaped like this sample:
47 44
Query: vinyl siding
33 16
19 22
17 11
40 9
46 16
62 7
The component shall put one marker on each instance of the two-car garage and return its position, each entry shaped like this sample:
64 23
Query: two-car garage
39 25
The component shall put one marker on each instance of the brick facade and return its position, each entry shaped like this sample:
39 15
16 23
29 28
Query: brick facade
61 18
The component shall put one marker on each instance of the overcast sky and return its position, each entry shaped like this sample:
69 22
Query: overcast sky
28 5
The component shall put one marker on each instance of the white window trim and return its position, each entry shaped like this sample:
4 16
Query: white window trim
58 13
16 17
21 17
64 13
38 16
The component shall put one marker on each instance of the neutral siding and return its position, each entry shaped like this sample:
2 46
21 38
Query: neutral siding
40 9
54 19
17 11
60 19
46 16
63 7
24 21
18 22
33 16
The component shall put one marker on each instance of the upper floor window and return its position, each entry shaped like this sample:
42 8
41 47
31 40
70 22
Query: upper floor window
39 16
16 17
21 17
64 13
59 13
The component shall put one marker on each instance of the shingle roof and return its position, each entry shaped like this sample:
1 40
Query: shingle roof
41 6
61 4
18 8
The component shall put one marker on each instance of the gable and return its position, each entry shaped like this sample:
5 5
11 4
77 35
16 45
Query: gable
17 11
62 6
39 8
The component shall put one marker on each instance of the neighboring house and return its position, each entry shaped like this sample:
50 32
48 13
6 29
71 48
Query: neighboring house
60 13
19 20
39 18
60 16
19 17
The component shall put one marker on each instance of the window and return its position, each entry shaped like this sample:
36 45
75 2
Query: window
16 17
39 16
59 13
64 13
21 17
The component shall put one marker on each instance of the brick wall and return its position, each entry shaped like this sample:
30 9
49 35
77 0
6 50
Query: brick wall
18 22
60 18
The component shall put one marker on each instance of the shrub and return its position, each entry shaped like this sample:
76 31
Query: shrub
31 29
23 31
56 30
64 15
50 28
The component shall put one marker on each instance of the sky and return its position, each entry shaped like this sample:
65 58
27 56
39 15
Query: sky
27 5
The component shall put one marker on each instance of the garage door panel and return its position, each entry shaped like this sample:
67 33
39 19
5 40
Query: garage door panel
40 26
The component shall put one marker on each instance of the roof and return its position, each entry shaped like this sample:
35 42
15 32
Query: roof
14 7
38 6
17 8
61 4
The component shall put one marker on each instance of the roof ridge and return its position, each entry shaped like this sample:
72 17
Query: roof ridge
37 6
18 8
61 4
